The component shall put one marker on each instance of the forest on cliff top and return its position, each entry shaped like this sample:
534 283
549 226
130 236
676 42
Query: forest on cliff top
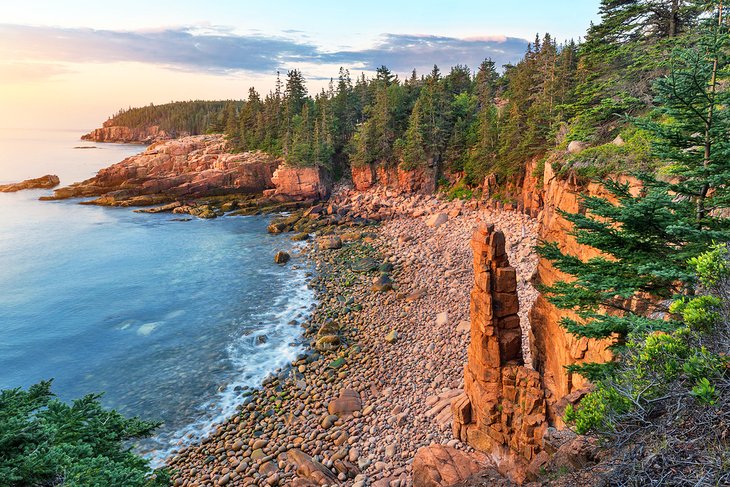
461 122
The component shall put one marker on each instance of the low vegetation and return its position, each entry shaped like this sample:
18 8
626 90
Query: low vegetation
44 441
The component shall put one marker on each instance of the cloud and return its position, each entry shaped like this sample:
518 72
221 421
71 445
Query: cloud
219 50
188 47
401 52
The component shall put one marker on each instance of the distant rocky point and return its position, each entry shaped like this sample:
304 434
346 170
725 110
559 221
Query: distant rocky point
194 167
128 135
44 182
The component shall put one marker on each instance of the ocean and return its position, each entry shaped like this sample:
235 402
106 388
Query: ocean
172 320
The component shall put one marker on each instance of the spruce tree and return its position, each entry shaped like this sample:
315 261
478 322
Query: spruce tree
646 239
414 153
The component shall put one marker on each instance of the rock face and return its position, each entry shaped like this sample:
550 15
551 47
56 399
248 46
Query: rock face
192 167
552 347
300 183
363 177
116 133
44 182
503 410
421 180
442 466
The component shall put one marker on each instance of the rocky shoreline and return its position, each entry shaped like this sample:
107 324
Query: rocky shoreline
48 181
388 344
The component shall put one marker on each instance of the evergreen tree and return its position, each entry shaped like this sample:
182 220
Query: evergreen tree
231 122
459 80
647 239
295 93
694 121
248 118
44 441
486 82
414 153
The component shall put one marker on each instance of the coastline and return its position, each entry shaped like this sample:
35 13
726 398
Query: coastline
347 416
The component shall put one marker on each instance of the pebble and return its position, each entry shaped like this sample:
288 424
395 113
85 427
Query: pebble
415 325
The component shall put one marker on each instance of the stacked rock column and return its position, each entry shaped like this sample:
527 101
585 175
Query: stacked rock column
502 411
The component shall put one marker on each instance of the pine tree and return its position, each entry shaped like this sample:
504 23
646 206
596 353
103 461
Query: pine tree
645 240
414 153
486 82
231 122
295 93
249 135
695 123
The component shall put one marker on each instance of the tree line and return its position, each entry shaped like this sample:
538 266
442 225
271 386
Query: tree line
475 122
181 117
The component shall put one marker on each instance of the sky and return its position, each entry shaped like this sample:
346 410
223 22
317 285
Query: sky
73 63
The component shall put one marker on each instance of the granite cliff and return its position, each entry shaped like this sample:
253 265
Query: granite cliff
128 135
195 167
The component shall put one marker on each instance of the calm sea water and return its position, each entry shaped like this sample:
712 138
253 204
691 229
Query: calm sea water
172 320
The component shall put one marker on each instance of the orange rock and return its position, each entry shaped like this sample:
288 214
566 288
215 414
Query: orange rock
348 402
505 400
191 166
300 183
441 466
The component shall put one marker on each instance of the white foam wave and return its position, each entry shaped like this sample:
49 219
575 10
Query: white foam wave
253 363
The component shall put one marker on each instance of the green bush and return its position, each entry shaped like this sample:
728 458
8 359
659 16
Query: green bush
44 441
713 265
460 191
606 159
659 366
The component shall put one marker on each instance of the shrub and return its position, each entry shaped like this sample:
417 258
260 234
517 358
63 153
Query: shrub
669 393
460 191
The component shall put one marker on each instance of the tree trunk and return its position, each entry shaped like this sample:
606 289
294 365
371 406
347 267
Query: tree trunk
673 28
701 210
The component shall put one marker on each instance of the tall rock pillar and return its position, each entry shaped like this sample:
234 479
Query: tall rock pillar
502 411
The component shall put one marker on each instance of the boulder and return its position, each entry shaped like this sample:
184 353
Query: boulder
382 283
161 209
348 402
618 141
366 264
441 466
328 337
437 219
327 343
415 296
391 337
310 469
575 454
281 257
329 242
463 327
44 182
576 146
